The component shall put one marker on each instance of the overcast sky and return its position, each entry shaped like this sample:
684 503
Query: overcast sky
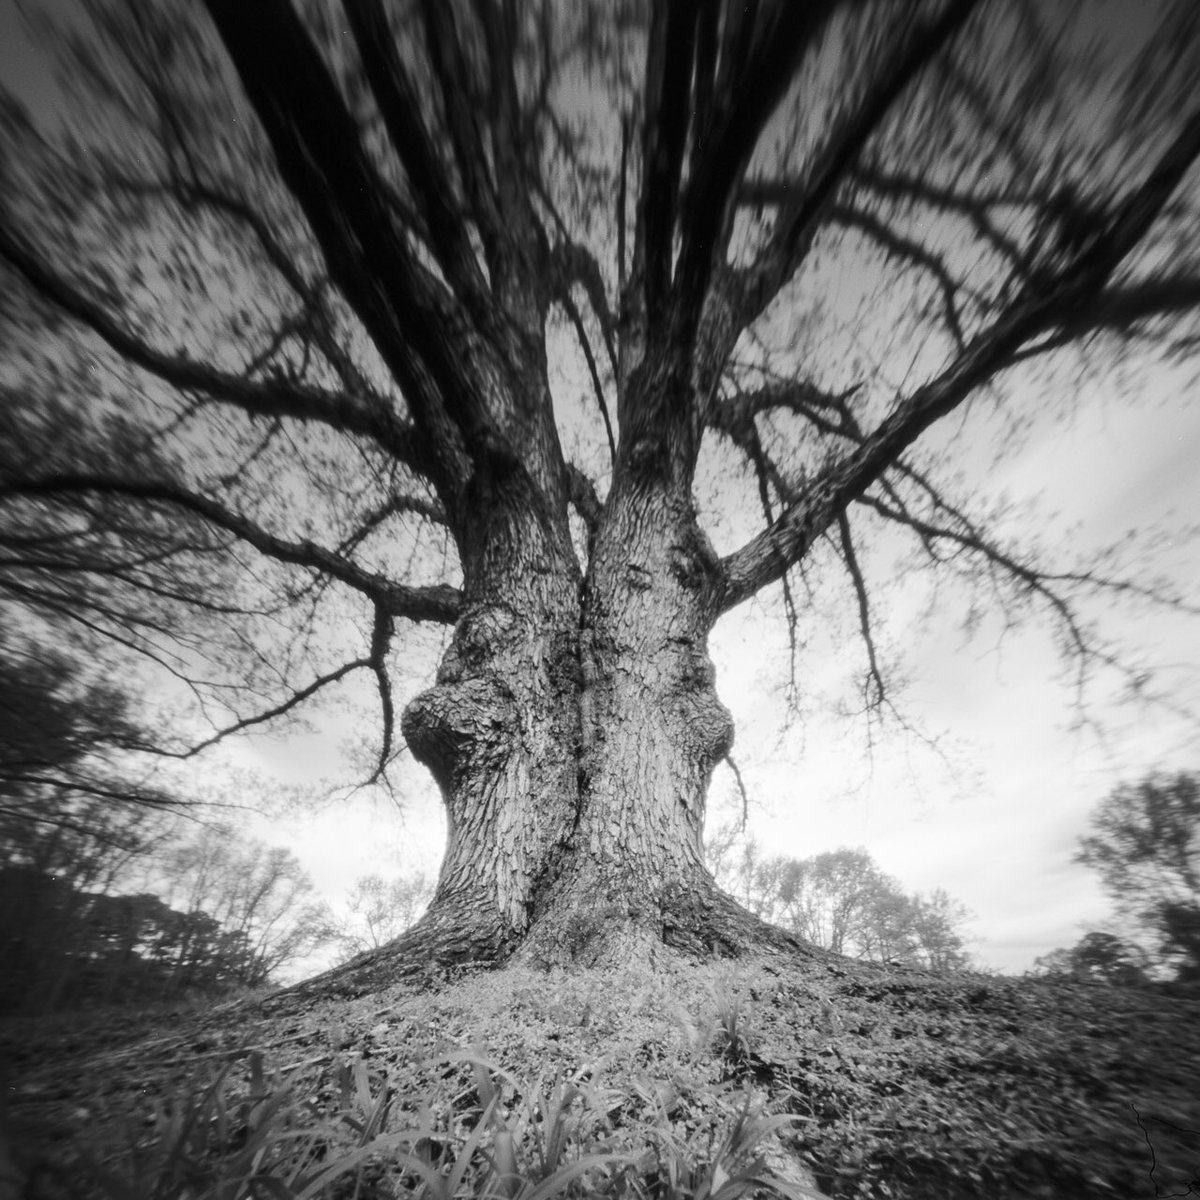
996 822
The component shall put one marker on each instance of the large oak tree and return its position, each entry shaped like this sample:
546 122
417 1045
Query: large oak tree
288 294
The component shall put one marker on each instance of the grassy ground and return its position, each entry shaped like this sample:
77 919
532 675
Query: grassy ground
894 1084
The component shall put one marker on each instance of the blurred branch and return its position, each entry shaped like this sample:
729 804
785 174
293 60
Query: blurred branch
667 89
597 387
584 498
571 264
874 675
912 252
797 225
434 603
454 86
431 182
1044 305
1035 581
295 699
365 416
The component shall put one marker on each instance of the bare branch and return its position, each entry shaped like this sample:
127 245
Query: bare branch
621 201
1122 307
439 603
1078 284
391 507
791 536
400 107
798 225
974 204
381 637
571 264
908 250
414 320
741 787
498 22
597 387
1068 297
735 419
829 412
445 54
365 416
726 129
293 701
966 535
664 136
874 674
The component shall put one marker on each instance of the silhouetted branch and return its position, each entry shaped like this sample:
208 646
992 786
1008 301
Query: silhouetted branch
798 224
365 416
436 603
875 675
597 387
910 251
399 104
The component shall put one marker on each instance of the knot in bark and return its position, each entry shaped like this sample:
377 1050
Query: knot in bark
693 560
709 724
482 633
474 722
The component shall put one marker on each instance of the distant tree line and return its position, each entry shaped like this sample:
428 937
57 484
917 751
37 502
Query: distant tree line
106 895
214 914
843 901
1144 843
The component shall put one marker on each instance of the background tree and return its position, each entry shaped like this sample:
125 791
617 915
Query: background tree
1098 956
66 747
381 909
53 875
1145 845
258 896
842 901
76 832
72 821
128 918
290 297
937 927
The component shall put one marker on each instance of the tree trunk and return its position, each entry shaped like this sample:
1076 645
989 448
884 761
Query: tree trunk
500 728
573 729
652 730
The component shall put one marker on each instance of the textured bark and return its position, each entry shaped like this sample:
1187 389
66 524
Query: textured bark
499 729
574 742
652 729
573 729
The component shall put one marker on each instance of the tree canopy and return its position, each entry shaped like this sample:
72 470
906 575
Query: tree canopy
1145 845
298 298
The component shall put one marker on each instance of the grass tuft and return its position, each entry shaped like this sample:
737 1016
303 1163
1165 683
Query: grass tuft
514 1140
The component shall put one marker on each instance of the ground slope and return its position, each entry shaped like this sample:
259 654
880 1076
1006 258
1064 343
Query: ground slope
899 1084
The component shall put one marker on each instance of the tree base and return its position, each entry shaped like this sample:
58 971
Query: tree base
698 924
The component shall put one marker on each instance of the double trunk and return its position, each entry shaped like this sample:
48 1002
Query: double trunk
573 730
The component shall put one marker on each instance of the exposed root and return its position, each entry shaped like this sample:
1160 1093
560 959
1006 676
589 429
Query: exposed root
700 922
705 922
446 940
